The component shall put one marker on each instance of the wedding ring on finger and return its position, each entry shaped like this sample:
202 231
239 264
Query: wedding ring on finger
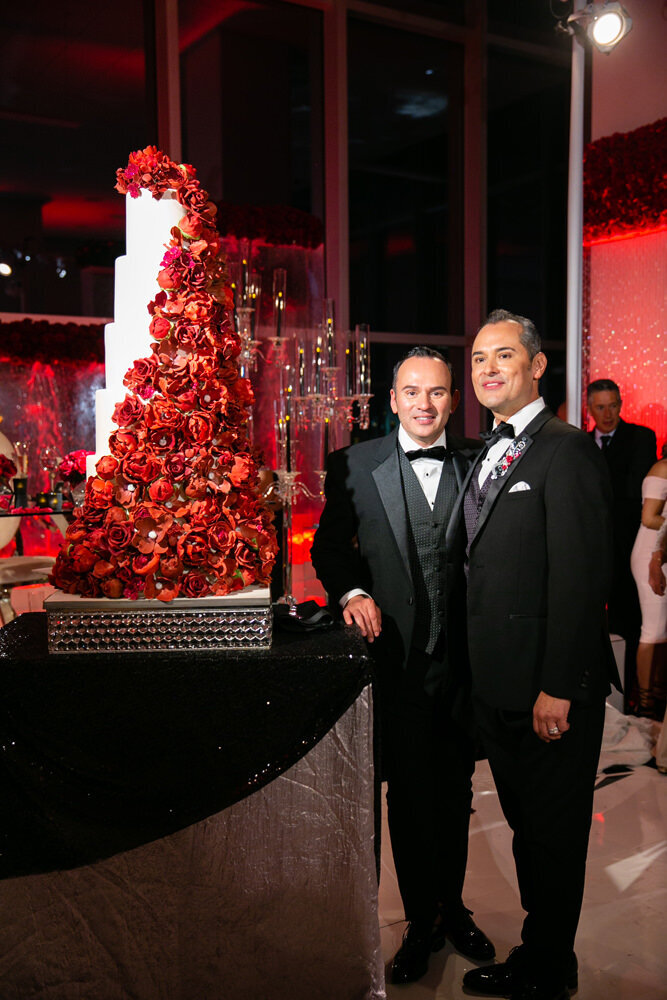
554 731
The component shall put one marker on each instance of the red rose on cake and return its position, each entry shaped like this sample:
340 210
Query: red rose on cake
128 411
119 536
140 467
106 467
195 585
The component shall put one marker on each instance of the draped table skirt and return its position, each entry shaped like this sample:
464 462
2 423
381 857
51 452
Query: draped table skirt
188 826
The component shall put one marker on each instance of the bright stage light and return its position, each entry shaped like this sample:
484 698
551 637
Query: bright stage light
5 269
605 24
606 29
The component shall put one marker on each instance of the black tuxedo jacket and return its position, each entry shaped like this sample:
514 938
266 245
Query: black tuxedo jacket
629 455
539 567
362 541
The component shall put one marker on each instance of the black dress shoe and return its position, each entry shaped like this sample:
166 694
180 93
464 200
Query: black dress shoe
411 960
507 978
465 935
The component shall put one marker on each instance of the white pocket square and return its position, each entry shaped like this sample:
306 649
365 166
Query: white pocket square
520 487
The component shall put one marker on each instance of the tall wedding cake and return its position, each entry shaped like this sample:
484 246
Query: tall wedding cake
172 517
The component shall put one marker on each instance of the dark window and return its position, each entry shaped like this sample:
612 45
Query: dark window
251 77
405 184
528 113
72 94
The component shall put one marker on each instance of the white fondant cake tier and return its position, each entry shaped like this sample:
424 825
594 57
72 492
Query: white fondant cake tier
149 222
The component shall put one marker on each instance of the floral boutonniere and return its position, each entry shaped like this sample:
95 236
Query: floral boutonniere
513 452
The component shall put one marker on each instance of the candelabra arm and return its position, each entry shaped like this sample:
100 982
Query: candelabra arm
287 488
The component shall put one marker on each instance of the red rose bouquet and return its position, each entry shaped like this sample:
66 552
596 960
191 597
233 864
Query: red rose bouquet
175 509
73 466
7 470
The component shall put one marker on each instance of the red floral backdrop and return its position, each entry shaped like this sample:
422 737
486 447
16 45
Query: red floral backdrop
625 184
625 270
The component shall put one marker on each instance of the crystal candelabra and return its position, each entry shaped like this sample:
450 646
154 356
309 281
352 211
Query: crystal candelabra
246 287
320 403
286 487
249 346
323 390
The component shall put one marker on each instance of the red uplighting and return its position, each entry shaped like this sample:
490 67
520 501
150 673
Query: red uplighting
625 235
301 544
598 817
84 216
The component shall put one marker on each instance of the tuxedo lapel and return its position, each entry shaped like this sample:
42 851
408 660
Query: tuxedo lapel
463 477
460 469
498 485
387 478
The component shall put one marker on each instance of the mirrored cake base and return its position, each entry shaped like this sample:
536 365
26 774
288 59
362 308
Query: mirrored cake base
242 620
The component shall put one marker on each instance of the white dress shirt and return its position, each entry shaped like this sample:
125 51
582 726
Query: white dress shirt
600 434
427 470
519 422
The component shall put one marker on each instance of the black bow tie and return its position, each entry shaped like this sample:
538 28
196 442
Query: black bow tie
502 430
438 453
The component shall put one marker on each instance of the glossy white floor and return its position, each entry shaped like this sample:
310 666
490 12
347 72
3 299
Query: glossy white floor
622 939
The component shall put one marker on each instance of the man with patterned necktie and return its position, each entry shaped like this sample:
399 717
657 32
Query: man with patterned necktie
386 556
536 507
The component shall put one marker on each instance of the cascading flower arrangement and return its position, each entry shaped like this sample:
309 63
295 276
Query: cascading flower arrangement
175 509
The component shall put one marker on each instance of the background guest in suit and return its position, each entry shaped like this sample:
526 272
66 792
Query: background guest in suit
385 554
652 646
537 512
630 451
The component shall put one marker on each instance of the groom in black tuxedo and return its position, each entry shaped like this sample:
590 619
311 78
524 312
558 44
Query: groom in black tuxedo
386 555
536 507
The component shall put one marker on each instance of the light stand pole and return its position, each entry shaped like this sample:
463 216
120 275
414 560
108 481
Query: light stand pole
575 224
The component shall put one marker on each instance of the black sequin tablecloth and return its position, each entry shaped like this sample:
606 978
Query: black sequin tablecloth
102 753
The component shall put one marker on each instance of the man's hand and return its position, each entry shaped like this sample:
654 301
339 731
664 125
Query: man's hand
365 613
550 717
656 575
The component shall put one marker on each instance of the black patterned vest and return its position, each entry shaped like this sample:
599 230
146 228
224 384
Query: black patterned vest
473 502
426 541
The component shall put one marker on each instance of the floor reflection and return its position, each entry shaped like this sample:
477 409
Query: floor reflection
621 939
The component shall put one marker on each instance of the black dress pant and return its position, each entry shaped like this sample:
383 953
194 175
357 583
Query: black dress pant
546 793
428 761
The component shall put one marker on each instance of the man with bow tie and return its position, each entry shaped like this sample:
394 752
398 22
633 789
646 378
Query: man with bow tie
385 554
537 512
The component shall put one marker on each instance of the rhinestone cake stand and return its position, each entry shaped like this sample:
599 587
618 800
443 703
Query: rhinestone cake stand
241 620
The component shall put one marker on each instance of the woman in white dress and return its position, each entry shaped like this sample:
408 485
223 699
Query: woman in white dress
652 644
